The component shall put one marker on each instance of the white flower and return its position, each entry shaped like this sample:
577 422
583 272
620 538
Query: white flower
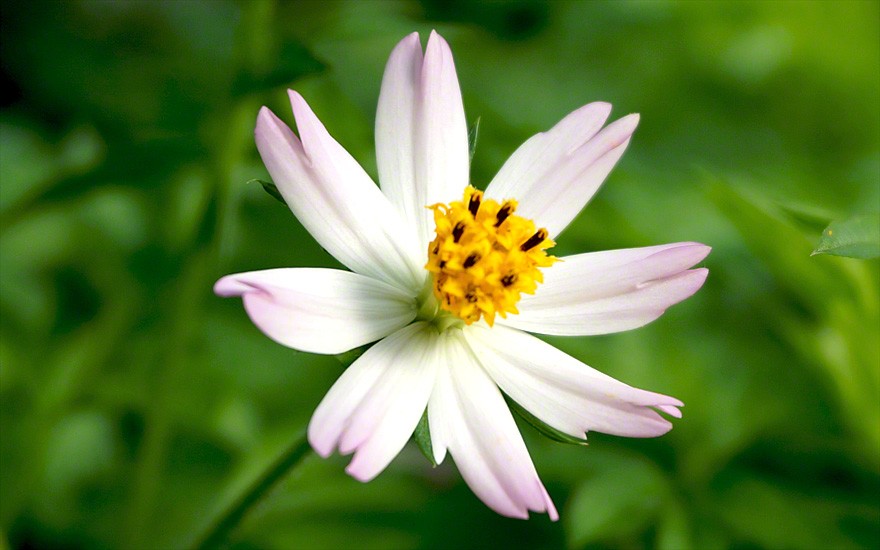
430 308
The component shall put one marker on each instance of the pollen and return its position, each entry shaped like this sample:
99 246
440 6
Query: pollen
484 257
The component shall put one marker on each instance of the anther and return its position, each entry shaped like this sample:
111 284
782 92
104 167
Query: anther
474 203
505 211
534 240
484 257
457 231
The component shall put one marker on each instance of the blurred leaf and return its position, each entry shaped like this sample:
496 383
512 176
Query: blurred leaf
673 531
473 134
810 216
31 165
618 502
87 435
855 237
422 435
293 62
773 516
773 239
543 427
270 188
350 356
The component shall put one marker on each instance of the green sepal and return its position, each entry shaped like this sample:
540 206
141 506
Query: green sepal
855 237
422 436
473 134
270 188
350 356
542 427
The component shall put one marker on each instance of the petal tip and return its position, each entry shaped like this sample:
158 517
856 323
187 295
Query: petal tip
701 249
322 447
294 95
229 286
299 105
631 121
437 45
266 118
359 472
549 507
671 410
602 107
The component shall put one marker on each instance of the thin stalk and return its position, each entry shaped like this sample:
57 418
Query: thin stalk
228 519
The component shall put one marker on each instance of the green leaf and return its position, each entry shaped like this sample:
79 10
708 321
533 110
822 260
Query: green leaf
617 503
422 435
542 427
270 188
855 237
473 134
769 514
350 356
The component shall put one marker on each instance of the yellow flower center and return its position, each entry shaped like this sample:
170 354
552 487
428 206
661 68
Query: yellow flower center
484 257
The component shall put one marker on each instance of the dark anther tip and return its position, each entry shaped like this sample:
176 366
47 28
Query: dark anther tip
457 232
474 204
471 260
534 240
503 213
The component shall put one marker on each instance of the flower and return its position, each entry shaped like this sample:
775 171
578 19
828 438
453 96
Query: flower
450 289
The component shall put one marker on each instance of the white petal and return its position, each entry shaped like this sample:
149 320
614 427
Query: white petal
376 404
611 291
336 201
468 416
565 393
421 134
554 174
320 310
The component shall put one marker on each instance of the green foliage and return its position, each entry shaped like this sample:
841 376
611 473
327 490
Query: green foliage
616 503
422 437
135 404
542 427
270 188
855 237
473 135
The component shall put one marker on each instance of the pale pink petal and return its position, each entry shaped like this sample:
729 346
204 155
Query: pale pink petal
421 134
611 291
554 174
565 393
320 310
468 416
336 201
374 407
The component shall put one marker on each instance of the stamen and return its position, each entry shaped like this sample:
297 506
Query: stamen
484 257
471 260
474 203
457 232
504 213
534 240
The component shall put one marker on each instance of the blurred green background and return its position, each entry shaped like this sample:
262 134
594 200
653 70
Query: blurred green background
134 403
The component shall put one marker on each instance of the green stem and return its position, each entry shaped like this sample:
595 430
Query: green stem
229 518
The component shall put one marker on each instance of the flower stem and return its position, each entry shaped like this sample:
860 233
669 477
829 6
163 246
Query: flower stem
229 518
